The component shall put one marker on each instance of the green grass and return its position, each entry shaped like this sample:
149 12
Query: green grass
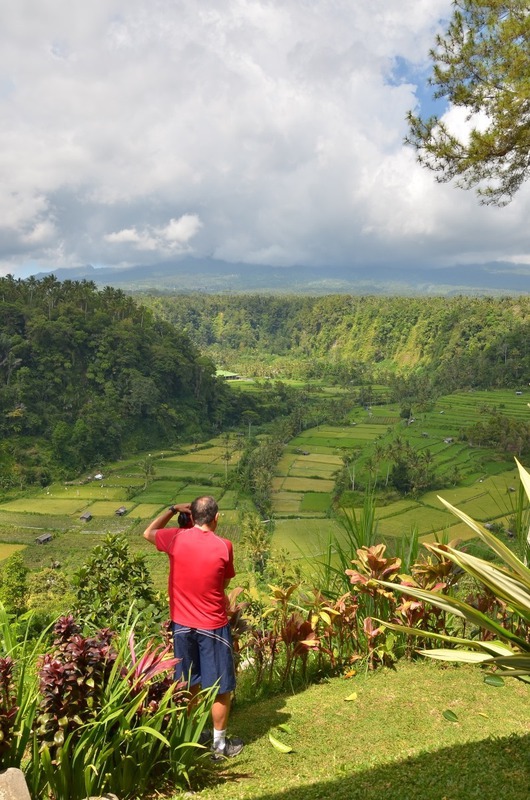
307 485
89 491
307 535
286 502
315 501
102 508
392 741
44 506
7 550
146 510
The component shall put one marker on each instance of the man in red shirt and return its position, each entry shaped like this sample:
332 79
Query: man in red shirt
201 565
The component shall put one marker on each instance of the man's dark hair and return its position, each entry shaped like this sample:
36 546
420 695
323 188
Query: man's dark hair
203 510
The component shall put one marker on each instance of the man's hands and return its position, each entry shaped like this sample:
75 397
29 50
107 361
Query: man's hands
163 518
180 508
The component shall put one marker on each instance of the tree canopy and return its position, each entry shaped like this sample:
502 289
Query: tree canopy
482 64
86 375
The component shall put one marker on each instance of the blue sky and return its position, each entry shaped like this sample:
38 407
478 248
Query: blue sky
256 131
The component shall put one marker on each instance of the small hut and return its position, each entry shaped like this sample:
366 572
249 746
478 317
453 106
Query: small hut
44 538
86 517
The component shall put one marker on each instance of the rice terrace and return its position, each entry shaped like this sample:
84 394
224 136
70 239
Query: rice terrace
302 489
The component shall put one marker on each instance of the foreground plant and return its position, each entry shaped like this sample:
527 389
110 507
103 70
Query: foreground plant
18 687
95 714
506 644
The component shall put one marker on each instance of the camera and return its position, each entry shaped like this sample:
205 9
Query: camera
184 520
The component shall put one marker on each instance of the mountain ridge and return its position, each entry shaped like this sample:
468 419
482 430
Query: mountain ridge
212 276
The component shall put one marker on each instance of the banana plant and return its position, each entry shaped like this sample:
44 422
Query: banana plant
508 579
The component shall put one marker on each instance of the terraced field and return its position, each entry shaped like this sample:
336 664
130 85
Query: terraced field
486 483
57 509
302 489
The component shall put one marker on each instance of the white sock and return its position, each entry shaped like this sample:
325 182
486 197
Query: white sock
219 738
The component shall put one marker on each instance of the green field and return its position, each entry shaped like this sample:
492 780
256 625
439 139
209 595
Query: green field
485 484
302 489
7 550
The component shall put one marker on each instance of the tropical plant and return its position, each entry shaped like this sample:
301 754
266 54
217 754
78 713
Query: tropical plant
99 586
18 687
112 719
506 644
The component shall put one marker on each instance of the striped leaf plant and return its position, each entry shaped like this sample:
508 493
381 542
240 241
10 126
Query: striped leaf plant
508 579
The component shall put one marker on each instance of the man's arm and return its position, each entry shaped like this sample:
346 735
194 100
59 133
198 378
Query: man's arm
162 520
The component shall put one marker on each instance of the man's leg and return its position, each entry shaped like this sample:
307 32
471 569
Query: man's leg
221 711
217 668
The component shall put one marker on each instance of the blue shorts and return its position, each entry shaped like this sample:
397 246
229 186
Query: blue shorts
206 657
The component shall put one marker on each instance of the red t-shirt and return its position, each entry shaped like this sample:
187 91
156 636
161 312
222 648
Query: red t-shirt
199 564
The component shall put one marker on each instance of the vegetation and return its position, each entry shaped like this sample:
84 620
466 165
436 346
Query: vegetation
86 375
90 715
362 460
384 734
419 347
502 616
481 65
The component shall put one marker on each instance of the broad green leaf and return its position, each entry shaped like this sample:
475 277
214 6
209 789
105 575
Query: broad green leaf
501 648
517 661
524 476
450 715
455 606
502 584
461 656
284 727
283 748
352 696
493 680
429 634
499 547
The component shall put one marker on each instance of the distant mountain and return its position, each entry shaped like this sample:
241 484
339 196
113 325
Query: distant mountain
213 276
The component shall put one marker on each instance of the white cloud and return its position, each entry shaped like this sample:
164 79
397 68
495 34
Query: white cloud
254 130
172 238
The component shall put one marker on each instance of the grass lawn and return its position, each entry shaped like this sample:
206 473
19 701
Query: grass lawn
390 741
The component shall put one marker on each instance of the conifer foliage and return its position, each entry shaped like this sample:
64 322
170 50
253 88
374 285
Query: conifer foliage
481 64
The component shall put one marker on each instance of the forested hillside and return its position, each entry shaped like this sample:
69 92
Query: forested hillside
87 374
460 342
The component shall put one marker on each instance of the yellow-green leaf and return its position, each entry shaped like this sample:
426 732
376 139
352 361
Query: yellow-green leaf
352 696
283 748
284 727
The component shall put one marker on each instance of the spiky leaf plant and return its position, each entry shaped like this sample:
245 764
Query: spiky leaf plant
508 645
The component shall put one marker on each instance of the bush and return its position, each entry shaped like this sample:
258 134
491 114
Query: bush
101 719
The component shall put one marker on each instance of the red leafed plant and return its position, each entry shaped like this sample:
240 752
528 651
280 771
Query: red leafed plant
154 662
8 707
72 680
